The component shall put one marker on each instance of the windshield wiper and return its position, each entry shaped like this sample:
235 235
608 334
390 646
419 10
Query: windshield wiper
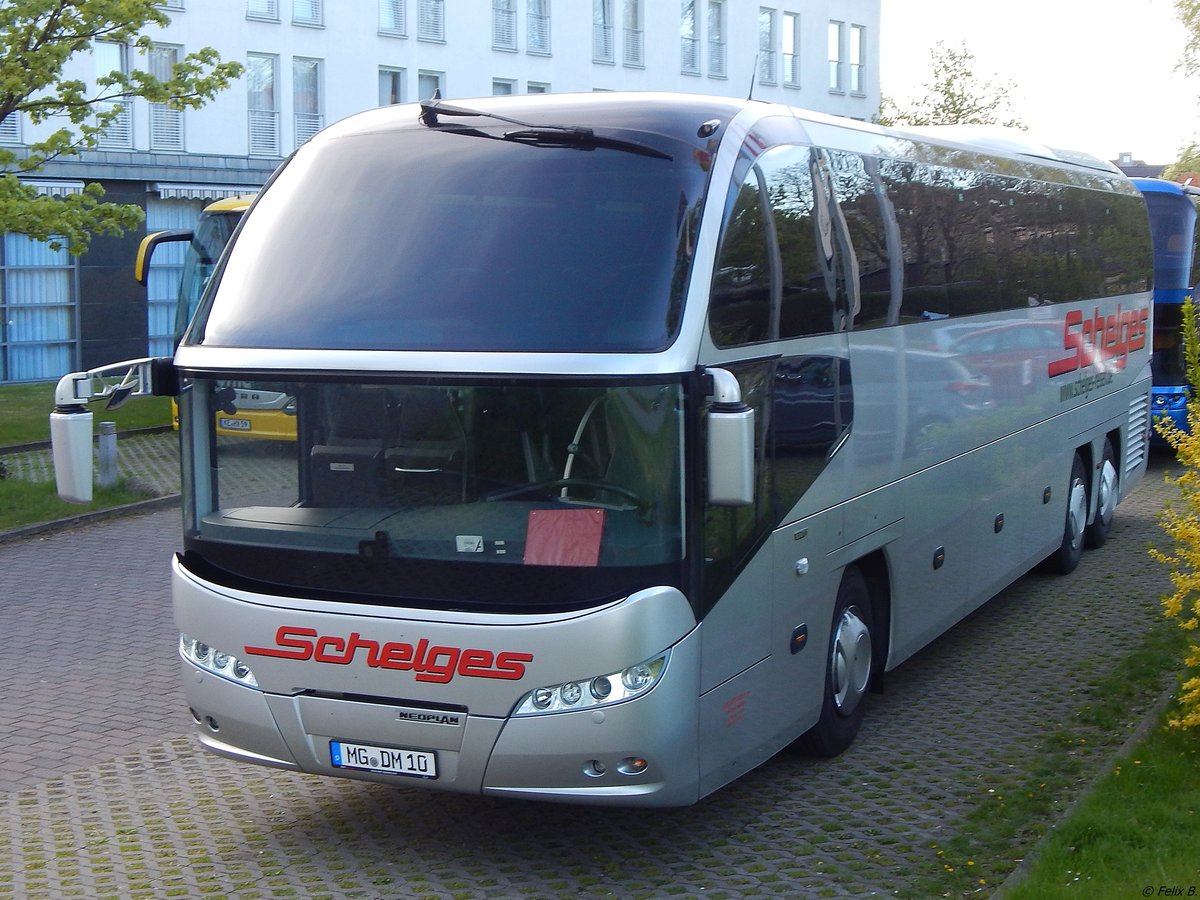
574 136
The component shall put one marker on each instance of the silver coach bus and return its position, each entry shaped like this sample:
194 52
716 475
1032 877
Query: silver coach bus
638 436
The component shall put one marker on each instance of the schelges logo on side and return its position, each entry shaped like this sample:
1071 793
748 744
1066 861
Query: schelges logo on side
1101 341
436 664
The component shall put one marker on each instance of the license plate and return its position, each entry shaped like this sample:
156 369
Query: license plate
390 760
234 424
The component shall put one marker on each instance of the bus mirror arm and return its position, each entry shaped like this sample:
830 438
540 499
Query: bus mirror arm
730 442
117 382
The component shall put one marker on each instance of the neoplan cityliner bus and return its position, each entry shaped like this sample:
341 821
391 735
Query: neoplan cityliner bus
630 450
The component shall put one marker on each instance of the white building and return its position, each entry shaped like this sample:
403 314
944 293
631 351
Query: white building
312 62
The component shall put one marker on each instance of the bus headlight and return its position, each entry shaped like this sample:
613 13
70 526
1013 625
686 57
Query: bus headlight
593 691
215 661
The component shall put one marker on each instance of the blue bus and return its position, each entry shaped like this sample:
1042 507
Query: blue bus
1173 212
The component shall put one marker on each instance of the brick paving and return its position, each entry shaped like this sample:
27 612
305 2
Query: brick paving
103 794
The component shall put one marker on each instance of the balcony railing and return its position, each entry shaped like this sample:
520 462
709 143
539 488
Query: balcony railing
689 56
504 29
602 43
716 59
635 47
264 132
539 34
307 125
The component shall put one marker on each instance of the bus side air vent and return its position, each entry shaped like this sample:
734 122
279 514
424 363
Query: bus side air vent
1139 433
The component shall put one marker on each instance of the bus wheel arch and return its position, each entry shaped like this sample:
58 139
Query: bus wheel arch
1107 491
852 664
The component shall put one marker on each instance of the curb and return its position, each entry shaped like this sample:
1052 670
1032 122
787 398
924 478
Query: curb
87 518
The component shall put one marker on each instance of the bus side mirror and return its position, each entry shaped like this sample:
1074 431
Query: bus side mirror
730 447
141 266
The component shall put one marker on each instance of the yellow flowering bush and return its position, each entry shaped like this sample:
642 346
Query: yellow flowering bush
1181 521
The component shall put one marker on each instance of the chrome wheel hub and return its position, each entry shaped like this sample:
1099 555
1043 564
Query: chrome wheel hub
851 662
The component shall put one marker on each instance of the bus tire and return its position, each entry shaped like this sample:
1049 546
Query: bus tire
1064 560
849 667
1106 499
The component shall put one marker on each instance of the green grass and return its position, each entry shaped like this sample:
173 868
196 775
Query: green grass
25 413
1139 829
1020 811
24 503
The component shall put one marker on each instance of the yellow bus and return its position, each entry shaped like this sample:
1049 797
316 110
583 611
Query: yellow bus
253 413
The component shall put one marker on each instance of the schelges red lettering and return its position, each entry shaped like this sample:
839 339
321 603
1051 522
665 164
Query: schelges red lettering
1100 340
434 665
293 647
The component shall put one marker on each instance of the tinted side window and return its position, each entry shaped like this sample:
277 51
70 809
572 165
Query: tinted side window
740 299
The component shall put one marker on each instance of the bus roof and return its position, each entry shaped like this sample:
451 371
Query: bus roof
1162 186
240 203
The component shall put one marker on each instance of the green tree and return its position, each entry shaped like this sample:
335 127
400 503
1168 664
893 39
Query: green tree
1188 12
1188 161
37 40
955 96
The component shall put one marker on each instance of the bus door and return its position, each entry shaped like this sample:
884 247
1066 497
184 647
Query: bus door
780 303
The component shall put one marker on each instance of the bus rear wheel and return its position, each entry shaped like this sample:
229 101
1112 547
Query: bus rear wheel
1106 499
1067 556
849 667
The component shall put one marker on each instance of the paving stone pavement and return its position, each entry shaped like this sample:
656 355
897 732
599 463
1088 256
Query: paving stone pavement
104 794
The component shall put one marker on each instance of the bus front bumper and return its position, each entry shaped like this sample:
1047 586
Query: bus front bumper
642 752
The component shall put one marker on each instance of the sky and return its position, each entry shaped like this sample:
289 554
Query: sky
1091 75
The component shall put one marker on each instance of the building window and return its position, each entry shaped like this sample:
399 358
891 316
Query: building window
431 20
430 84
767 70
308 12
791 49
836 82
634 48
172 4
306 98
37 310
166 124
537 39
10 129
858 58
110 58
503 87
602 31
391 86
716 39
166 270
391 18
267 10
537 87
689 40
504 24
262 102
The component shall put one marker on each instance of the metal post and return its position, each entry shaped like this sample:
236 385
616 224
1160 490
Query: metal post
108 454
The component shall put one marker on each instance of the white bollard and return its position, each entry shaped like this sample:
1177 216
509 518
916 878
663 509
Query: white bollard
71 443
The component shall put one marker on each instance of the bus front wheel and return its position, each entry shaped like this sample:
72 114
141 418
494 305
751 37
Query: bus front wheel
849 666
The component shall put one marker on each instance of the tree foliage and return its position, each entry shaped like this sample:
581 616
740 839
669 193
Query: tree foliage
955 96
38 38
1181 521
1188 12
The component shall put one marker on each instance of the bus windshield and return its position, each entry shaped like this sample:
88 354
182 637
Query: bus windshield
456 241
212 233
461 495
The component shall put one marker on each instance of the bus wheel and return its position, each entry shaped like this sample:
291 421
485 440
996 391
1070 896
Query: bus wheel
849 666
1066 557
1106 500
